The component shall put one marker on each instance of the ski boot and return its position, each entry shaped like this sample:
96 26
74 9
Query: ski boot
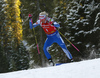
51 62
71 60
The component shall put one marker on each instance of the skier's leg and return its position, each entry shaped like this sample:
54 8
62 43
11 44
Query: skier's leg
47 44
61 43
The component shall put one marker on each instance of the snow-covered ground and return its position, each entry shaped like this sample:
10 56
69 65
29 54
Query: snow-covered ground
83 69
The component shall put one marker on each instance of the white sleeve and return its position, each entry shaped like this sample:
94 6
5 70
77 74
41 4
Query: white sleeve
38 21
36 24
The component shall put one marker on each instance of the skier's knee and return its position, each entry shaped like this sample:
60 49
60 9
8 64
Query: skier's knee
45 49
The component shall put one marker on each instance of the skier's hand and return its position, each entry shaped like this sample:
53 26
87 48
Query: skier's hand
30 16
55 24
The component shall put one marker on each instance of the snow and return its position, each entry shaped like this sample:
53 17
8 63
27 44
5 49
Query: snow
83 69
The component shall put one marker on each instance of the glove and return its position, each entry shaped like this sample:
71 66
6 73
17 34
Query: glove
30 16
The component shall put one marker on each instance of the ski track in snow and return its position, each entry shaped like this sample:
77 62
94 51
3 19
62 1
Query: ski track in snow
83 69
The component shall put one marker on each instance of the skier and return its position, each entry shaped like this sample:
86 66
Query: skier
49 27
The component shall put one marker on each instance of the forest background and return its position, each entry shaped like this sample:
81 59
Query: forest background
79 22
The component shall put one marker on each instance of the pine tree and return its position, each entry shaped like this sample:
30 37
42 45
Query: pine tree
21 57
4 64
61 18
83 31
78 26
73 18
16 54
97 26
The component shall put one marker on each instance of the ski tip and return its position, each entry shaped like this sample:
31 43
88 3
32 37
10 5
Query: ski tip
57 64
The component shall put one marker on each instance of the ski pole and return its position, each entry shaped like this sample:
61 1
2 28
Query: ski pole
36 42
31 22
31 27
71 43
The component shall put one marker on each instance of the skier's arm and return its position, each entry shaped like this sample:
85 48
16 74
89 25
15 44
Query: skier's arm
36 24
31 22
33 25
54 23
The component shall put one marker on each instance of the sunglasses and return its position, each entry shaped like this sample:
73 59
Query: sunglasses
42 17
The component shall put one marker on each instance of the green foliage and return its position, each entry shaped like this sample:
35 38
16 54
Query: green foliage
13 53
3 62
78 25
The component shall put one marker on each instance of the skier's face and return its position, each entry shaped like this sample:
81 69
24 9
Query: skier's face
43 20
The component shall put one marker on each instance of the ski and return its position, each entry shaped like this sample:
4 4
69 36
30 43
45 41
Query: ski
57 64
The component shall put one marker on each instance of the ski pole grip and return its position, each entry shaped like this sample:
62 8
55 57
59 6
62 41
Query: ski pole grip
30 16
